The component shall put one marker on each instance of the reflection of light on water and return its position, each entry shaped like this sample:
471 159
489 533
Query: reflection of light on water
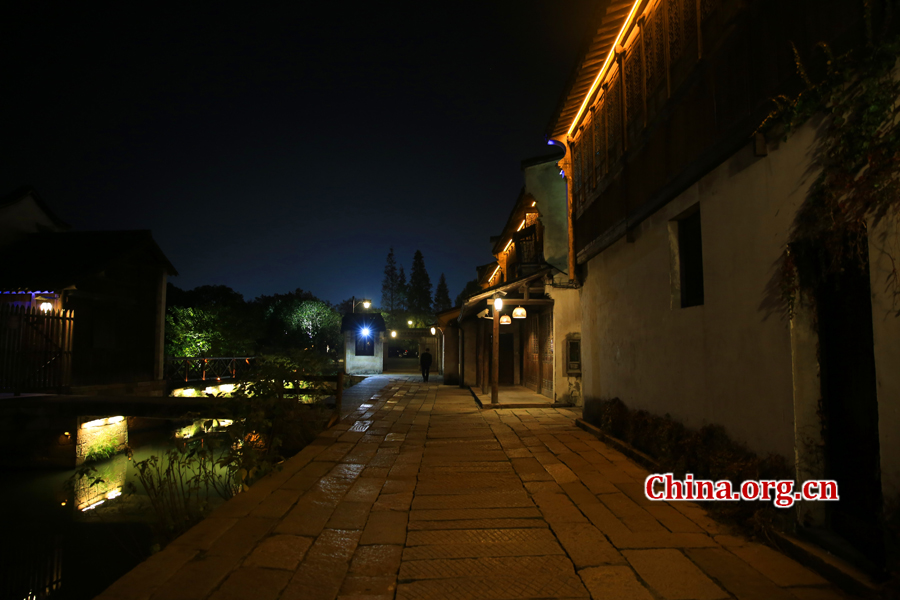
101 422
213 390
92 506
201 426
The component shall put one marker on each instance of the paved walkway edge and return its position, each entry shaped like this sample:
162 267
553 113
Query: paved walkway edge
645 460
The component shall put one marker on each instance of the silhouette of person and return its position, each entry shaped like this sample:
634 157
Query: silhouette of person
425 363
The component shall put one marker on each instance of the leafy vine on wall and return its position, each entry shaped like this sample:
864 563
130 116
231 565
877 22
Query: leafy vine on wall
858 152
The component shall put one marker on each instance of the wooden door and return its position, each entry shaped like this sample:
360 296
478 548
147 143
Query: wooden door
506 375
546 345
531 353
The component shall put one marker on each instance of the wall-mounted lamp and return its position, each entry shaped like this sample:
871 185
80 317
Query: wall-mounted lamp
365 332
433 330
498 303
46 307
519 313
393 334
505 320
409 323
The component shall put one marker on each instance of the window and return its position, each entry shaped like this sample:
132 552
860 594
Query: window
573 356
365 345
690 259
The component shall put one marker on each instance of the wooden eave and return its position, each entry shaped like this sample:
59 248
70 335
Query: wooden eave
609 23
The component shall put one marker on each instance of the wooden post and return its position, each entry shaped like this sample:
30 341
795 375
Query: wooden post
495 358
699 30
668 58
641 22
339 394
570 219
623 95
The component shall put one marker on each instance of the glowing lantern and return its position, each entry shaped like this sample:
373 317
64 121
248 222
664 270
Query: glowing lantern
46 307
432 330
519 313
393 334
505 320
498 303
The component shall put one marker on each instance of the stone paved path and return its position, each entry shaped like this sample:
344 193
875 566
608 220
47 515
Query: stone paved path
420 495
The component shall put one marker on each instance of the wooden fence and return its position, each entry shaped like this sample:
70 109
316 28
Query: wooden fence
212 368
35 349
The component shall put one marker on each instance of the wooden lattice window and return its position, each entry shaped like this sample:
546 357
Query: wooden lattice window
576 174
587 143
633 77
599 143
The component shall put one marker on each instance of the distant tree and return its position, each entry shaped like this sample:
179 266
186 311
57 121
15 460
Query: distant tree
470 289
320 323
419 296
390 292
402 290
442 296
191 332
216 317
345 306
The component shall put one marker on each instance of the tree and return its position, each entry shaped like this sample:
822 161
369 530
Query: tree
191 332
320 323
418 298
402 290
390 285
210 320
471 289
442 296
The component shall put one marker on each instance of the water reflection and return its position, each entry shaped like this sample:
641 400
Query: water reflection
70 542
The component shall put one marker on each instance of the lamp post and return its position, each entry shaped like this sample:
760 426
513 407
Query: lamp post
495 351
365 302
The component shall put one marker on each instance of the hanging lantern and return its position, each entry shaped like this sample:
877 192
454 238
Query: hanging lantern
505 320
519 313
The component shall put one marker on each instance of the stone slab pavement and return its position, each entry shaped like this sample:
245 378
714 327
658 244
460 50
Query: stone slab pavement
419 494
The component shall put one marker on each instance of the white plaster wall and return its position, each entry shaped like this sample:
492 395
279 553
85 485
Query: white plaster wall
549 190
363 365
884 256
566 320
729 361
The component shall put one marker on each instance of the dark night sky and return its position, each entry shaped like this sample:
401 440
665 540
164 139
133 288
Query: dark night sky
274 149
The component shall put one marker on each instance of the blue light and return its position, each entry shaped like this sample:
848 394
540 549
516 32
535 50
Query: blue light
365 332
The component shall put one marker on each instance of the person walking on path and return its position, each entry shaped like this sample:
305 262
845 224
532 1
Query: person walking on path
425 363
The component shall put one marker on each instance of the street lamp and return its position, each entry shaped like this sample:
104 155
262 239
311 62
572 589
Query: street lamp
409 323
393 334
365 302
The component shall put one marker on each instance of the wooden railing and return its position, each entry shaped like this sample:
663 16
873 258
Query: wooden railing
35 349
645 69
213 368
299 388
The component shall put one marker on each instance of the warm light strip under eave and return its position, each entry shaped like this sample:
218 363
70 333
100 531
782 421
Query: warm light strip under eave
604 68
508 244
494 273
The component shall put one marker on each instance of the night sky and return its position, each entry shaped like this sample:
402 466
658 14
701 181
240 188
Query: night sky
269 150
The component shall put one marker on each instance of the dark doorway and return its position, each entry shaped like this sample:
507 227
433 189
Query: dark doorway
850 409
506 375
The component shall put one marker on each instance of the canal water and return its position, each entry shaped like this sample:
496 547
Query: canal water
64 539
